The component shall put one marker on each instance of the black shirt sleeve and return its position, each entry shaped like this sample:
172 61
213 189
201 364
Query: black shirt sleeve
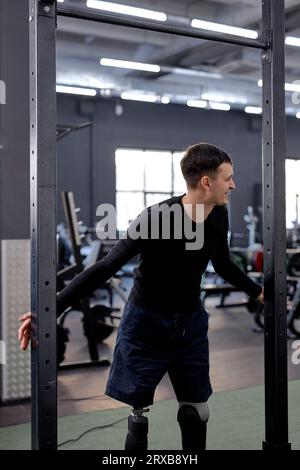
95 276
228 270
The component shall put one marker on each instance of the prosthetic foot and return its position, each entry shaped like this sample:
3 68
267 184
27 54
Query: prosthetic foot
137 436
193 429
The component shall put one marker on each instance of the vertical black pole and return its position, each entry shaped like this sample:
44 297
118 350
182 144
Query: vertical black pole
42 19
273 142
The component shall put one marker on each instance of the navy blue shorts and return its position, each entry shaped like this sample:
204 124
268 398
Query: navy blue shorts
149 344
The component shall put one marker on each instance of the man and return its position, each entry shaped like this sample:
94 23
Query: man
164 325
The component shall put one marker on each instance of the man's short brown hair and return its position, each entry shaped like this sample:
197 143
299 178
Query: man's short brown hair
202 159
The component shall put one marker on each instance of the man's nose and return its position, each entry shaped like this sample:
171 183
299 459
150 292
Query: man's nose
232 185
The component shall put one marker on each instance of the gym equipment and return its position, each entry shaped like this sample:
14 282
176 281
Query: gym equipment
251 221
63 131
193 429
293 234
239 259
223 290
64 250
213 285
293 309
293 291
100 315
249 260
137 436
257 261
293 262
293 298
62 339
99 250
98 320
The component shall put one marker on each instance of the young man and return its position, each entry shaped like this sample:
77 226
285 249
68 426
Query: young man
164 325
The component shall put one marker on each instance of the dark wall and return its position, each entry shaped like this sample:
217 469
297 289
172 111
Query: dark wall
155 127
293 137
74 158
14 120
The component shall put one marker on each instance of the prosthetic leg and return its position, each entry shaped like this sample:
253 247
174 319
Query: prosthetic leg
137 436
193 426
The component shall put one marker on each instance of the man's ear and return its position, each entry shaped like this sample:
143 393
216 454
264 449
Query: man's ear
205 183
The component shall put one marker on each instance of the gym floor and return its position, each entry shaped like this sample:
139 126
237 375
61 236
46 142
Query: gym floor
236 361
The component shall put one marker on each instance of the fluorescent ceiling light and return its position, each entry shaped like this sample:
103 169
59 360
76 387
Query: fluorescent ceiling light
223 28
191 72
165 100
126 64
292 41
292 86
127 10
214 96
219 106
60 1
126 95
197 103
253 110
105 92
287 86
298 115
75 90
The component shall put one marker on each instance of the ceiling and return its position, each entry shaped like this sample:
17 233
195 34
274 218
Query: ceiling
189 68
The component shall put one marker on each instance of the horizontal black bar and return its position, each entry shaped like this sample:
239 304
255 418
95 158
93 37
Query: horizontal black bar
70 129
79 365
160 27
281 446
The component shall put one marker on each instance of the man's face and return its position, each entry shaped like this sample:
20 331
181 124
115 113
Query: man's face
222 184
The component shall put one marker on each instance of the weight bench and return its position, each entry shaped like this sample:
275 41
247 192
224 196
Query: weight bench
223 290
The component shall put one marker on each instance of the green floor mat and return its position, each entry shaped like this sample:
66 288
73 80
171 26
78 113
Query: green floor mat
236 423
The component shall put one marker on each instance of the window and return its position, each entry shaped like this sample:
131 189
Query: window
292 191
144 178
178 180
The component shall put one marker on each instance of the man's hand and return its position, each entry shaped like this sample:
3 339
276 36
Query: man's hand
25 330
260 298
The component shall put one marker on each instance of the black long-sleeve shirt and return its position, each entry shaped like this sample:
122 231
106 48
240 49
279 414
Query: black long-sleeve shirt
168 275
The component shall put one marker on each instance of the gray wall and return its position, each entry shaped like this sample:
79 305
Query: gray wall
14 120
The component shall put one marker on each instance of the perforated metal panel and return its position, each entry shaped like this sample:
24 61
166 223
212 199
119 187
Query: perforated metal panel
15 296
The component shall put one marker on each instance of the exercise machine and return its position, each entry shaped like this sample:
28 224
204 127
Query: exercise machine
293 297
